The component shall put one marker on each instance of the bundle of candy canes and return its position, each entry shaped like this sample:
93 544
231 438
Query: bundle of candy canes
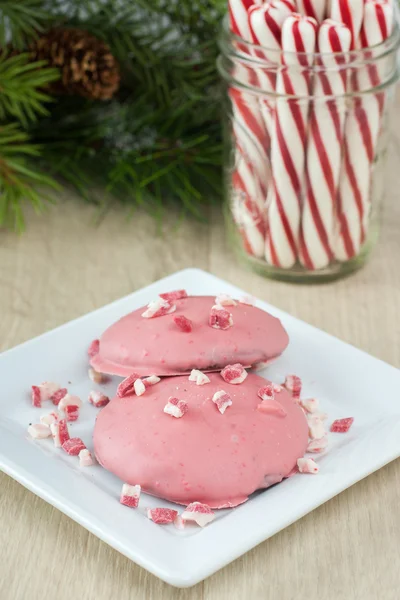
301 185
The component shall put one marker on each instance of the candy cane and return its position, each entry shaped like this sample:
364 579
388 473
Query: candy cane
312 8
289 141
324 148
361 135
349 12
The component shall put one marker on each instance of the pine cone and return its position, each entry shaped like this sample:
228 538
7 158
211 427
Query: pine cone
87 66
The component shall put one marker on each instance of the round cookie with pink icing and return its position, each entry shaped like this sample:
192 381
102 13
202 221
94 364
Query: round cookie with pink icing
177 333
192 440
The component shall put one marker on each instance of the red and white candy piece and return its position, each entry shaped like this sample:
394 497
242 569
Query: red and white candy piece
307 465
316 428
158 308
272 407
43 392
60 433
222 400
310 405
39 431
85 458
97 377
94 348
267 392
225 300
126 387
199 513
98 399
277 388
49 419
176 408
175 295
151 380
130 495
198 377
71 413
179 522
316 446
248 300
162 516
139 387
234 374
70 405
58 396
293 385
342 425
73 446
183 323
220 318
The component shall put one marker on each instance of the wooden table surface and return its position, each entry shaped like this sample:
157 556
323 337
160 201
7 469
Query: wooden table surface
63 267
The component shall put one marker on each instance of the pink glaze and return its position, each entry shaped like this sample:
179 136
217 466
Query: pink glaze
218 459
157 346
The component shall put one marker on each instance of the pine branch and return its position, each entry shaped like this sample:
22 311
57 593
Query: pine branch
20 88
21 20
19 182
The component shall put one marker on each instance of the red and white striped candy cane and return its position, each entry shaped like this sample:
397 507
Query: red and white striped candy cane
361 135
265 24
324 147
238 20
349 12
288 143
313 8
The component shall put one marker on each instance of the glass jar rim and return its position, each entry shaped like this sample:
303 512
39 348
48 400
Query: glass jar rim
255 51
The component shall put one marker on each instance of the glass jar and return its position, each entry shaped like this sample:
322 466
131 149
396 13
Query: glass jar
305 172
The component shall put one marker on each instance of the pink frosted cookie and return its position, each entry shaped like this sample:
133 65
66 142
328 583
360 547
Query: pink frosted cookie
208 456
156 346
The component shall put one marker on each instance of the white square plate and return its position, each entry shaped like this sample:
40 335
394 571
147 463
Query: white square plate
347 381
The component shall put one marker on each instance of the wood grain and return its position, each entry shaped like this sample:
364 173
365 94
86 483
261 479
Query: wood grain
63 267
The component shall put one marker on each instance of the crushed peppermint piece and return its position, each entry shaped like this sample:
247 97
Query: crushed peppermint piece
225 300
85 458
130 495
151 380
60 433
98 399
71 412
307 465
94 348
39 431
162 516
139 387
234 374
310 405
179 522
318 445
58 396
49 419
175 295
73 446
266 392
249 300
222 400
277 388
198 377
176 408
293 384
69 400
126 387
97 377
183 323
342 425
43 392
316 428
272 407
199 513
320 415
158 308
220 318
